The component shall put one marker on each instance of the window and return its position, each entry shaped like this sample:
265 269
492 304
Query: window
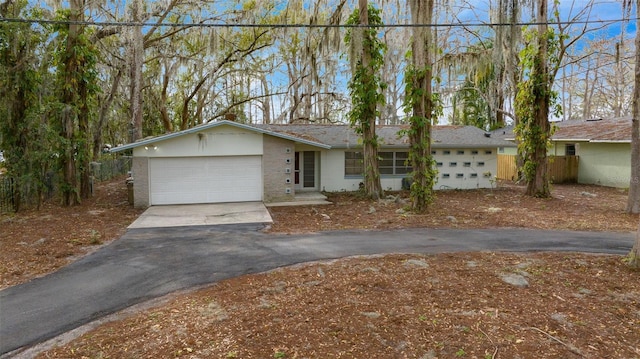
402 163
467 164
445 175
389 163
488 152
460 152
474 175
438 164
570 149
453 164
459 175
433 152
446 152
353 165
474 152
385 163
480 164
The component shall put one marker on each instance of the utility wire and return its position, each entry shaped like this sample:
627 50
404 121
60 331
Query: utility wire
239 25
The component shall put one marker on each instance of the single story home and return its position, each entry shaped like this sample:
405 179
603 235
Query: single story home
226 161
603 147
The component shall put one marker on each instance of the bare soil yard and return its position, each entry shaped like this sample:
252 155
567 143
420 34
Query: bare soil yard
459 305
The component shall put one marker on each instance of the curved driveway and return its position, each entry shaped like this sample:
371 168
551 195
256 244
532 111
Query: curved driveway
148 263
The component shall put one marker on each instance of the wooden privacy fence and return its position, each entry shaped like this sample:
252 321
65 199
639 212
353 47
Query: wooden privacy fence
562 169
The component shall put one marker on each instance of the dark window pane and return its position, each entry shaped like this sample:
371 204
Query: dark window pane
353 163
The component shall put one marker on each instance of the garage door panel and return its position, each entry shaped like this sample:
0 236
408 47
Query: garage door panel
205 179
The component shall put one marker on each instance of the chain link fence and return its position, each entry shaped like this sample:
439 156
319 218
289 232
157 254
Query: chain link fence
101 171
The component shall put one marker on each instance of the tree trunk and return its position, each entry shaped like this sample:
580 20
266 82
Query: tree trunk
136 58
105 105
69 114
422 107
539 187
633 202
372 184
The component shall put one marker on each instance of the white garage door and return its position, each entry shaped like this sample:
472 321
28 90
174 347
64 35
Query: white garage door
184 180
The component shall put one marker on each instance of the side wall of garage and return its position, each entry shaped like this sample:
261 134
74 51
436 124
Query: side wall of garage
140 171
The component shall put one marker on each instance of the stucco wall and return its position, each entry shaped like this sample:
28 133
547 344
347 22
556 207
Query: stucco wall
140 173
278 156
605 164
218 141
460 176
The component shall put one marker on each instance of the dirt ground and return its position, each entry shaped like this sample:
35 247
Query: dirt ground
460 305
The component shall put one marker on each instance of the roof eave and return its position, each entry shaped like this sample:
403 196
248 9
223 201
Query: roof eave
570 139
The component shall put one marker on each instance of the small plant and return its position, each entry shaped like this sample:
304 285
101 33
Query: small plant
95 237
460 353
279 354
232 354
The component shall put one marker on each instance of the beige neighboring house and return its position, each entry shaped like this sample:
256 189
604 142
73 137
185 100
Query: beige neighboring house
226 161
603 147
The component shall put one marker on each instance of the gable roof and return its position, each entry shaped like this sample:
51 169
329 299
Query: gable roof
210 125
596 130
343 136
611 130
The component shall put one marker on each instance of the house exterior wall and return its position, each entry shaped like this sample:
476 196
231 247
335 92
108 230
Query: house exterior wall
467 168
278 156
605 164
140 173
218 141
479 173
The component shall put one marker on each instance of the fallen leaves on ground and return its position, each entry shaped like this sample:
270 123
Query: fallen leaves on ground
466 305
394 306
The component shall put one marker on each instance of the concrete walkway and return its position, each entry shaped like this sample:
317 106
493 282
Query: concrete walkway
149 263
202 215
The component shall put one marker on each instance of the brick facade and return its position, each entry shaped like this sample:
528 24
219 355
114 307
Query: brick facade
140 172
278 156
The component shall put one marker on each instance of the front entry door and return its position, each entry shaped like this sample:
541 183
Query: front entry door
305 170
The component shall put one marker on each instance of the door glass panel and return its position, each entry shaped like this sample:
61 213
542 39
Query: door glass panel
309 169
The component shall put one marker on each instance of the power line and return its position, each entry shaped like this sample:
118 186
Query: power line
239 25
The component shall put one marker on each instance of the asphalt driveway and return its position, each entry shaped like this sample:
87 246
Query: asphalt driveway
150 262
